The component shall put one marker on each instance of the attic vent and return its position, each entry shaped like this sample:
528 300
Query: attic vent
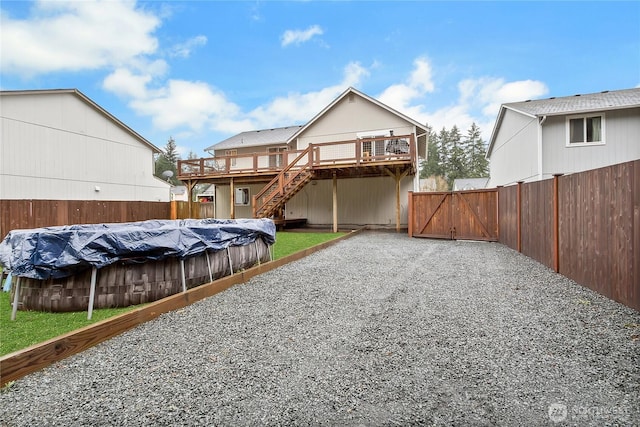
605 91
351 97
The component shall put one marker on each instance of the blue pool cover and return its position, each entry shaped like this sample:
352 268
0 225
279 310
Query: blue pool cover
58 252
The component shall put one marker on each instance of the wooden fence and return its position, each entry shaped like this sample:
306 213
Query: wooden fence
454 215
16 214
585 226
20 214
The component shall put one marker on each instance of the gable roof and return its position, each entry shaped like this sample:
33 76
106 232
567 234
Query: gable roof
87 101
286 135
352 90
601 101
256 138
576 104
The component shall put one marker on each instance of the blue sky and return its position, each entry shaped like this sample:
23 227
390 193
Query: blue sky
202 71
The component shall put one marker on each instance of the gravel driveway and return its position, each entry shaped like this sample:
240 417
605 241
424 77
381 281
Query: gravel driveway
379 329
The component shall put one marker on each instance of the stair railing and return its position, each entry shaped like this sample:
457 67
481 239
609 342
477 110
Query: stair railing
276 187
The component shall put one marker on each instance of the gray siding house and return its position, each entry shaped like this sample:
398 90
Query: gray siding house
533 140
60 145
352 164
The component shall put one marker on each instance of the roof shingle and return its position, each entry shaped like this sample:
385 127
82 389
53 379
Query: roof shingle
606 100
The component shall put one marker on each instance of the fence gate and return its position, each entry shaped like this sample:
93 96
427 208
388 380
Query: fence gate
460 215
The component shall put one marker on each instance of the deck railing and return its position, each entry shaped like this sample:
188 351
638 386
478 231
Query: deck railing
363 151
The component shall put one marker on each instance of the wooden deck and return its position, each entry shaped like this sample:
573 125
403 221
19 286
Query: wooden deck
349 159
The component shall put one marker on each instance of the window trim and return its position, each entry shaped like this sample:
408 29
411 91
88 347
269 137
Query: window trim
248 191
602 141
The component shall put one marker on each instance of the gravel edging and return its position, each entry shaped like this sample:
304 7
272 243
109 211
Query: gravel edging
379 329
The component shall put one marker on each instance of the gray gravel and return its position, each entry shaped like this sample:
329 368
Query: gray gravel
379 329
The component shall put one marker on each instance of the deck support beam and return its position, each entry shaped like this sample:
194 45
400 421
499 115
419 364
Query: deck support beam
232 199
397 175
335 203
190 186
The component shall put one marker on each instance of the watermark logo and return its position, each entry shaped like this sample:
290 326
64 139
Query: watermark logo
557 412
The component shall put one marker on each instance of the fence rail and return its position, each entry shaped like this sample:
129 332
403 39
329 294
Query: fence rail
585 226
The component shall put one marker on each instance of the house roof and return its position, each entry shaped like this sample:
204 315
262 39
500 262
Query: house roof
470 183
286 135
87 101
351 90
256 138
606 100
575 104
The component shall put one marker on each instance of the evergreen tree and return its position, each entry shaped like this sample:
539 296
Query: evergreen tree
457 163
168 161
170 151
476 150
432 166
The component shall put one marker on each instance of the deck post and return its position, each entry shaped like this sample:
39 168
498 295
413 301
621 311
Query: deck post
335 203
232 199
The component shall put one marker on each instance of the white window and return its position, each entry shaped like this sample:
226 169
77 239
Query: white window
242 196
232 153
373 148
276 160
585 130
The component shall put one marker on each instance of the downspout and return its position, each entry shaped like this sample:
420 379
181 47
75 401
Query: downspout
541 121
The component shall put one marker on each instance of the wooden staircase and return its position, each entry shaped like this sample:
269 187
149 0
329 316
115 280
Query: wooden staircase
284 186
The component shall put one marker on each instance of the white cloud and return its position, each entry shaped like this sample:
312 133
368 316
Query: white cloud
300 36
124 83
419 83
194 105
301 107
479 99
183 50
76 35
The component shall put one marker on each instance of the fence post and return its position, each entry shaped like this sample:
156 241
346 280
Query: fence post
519 215
498 212
174 209
410 214
556 225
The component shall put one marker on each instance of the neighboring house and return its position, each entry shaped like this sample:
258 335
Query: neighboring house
462 184
60 145
207 195
533 140
179 193
352 164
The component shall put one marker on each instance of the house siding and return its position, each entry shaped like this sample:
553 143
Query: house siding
622 144
223 204
515 152
56 146
361 201
348 118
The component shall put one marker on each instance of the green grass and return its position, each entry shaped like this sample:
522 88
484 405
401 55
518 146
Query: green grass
288 243
32 327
